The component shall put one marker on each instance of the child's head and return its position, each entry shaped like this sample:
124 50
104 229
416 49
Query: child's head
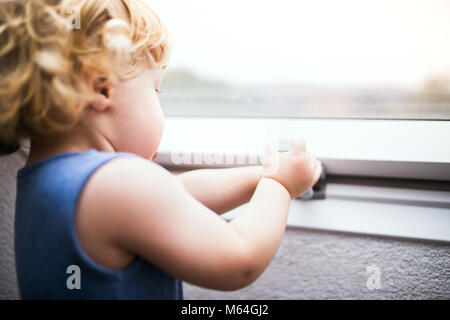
90 63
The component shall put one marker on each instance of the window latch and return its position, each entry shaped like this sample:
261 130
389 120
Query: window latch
318 190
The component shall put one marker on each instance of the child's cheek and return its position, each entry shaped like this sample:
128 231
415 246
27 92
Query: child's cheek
154 131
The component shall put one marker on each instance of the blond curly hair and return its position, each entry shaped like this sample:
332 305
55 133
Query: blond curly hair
45 58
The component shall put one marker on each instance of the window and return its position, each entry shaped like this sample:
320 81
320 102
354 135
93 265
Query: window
323 70
308 59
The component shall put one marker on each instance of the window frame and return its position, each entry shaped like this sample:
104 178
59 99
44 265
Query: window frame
410 209
346 147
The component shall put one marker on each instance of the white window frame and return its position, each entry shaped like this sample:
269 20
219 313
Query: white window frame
373 148
363 148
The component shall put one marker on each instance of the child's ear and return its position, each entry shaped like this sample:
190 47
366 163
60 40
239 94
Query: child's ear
102 90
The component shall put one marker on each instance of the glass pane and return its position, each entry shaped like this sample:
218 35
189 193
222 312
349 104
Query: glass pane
380 59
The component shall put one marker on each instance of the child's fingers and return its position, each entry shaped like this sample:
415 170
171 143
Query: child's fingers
270 151
317 172
269 148
298 145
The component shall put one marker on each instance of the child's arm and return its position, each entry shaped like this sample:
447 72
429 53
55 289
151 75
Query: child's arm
140 208
222 190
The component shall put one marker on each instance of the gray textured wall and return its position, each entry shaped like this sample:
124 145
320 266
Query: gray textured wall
8 170
309 264
324 265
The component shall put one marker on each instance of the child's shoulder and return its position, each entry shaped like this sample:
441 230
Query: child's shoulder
131 171
126 186
121 193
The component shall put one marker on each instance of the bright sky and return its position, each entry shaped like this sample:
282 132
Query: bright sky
325 42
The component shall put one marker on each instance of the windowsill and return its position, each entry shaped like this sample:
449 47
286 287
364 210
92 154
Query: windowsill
363 148
398 213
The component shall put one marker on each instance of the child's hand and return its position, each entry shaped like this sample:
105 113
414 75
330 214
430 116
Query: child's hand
297 169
